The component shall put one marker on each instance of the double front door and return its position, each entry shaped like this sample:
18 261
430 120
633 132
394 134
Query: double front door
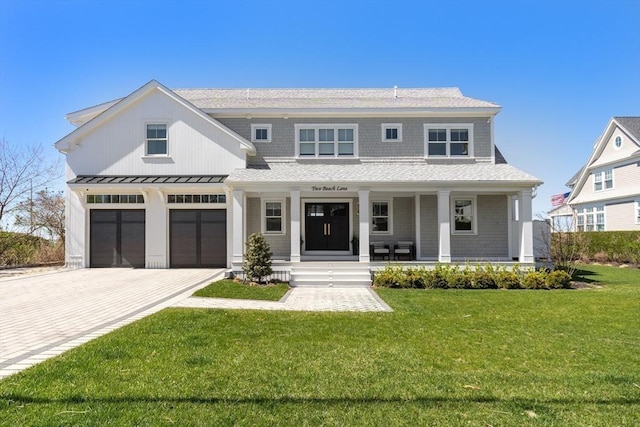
327 226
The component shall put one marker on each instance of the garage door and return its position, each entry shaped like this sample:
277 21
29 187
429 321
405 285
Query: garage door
117 238
198 238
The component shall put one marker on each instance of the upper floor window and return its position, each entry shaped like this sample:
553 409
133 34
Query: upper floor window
326 140
392 132
638 212
464 216
260 133
157 140
618 142
590 219
451 140
603 180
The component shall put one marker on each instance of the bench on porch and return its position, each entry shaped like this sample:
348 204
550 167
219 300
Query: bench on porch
379 249
404 248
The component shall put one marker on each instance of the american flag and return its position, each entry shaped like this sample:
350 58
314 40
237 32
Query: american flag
559 199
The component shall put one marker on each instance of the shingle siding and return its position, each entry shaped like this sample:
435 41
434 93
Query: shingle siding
429 226
492 237
280 244
370 142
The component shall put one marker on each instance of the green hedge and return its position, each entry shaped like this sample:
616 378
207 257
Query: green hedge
445 276
600 246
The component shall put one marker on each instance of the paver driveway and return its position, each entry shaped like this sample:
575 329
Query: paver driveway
42 316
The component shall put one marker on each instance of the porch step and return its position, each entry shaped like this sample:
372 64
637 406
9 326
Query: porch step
331 274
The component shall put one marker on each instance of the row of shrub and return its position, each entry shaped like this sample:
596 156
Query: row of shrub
445 276
597 246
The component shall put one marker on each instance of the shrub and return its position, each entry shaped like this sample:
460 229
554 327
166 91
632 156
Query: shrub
461 279
390 277
436 278
484 279
534 280
257 260
558 279
508 280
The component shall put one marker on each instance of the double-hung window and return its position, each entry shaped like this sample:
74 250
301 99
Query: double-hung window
448 140
381 217
273 217
326 140
157 143
464 215
603 180
260 133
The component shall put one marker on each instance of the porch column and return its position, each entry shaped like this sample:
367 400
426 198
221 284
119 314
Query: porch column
526 227
363 200
295 225
444 226
238 226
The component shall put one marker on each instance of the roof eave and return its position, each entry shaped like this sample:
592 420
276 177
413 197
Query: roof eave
354 112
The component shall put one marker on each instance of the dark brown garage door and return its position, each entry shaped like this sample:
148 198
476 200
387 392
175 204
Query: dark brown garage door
198 238
117 238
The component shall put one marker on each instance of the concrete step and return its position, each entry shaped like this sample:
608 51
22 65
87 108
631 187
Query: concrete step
332 274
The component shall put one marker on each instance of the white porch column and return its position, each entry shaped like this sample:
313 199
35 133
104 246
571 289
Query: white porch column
238 226
526 227
295 225
363 200
444 226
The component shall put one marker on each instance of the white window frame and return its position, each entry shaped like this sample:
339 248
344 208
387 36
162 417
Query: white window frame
316 127
283 217
448 127
637 211
615 142
600 178
587 218
389 203
146 139
387 126
256 126
474 215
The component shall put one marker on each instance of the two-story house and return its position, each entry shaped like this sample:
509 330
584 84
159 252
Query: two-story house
605 193
180 178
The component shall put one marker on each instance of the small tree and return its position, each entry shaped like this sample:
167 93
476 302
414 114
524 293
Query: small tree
257 259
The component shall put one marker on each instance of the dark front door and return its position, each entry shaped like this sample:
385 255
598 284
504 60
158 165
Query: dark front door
327 226
198 238
117 238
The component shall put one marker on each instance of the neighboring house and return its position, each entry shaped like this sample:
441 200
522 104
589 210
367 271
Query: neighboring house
605 193
180 178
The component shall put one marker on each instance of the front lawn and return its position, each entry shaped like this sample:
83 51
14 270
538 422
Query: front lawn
443 357
238 290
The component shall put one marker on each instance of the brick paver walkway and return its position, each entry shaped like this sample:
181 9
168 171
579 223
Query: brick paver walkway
302 299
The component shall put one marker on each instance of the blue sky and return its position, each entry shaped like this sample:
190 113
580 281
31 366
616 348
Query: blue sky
559 69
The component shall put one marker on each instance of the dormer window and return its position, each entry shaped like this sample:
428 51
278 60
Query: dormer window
260 133
392 132
157 143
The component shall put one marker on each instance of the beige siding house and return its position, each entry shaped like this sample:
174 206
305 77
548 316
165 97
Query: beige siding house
180 178
605 193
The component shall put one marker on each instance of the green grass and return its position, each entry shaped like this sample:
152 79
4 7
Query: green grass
443 357
230 289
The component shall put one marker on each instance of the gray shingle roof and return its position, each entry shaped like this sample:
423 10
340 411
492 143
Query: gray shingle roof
379 172
330 98
632 124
